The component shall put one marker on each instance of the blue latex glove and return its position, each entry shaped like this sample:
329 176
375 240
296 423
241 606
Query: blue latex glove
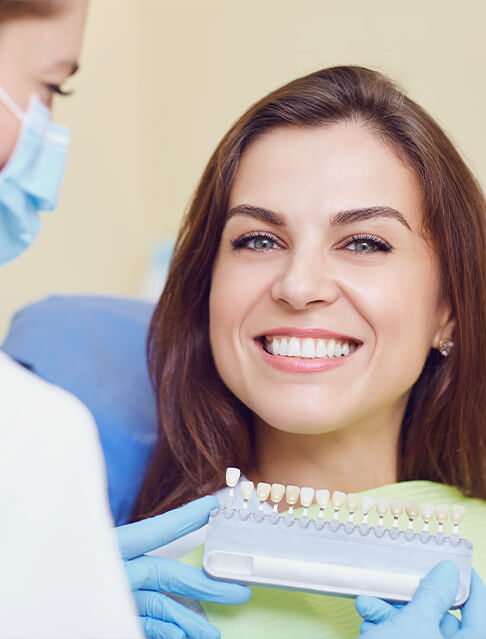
427 616
161 616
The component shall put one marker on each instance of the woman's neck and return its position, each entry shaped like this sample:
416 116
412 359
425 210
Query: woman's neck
351 459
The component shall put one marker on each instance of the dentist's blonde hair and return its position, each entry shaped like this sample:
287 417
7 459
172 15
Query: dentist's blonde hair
203 426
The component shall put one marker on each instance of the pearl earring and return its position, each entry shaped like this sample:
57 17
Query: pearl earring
445 347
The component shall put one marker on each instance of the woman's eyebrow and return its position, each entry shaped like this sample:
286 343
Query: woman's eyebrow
258 212
338 219
356 215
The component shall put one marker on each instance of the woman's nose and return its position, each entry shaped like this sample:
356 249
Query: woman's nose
305 279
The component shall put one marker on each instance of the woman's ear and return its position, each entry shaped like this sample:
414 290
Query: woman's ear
446 327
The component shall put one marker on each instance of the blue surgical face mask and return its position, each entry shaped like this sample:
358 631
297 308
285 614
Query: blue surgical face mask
31 180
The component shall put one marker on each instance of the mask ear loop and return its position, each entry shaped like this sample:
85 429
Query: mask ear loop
11 105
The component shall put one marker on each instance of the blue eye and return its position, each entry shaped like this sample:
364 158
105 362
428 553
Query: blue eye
261 242
363 244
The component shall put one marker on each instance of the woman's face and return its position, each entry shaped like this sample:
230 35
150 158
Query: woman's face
36 56
324 299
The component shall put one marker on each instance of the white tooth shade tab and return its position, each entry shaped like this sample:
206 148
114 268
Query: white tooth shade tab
306 496
247 488
382 506
277 491
412 509
352 502
427 512
292 495
322 498
338 499
396 507
457 513
232 477
367 504
441 512
263 491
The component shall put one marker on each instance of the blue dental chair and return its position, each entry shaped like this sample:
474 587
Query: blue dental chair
94 347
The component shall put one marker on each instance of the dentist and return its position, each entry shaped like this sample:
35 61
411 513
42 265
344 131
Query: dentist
61 573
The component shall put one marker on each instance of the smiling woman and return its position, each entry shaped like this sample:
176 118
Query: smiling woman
333 253
322 324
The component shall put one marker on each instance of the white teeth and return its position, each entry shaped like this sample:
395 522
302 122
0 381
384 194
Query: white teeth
275 347
321 348
232 476
330 348
294 347
308 348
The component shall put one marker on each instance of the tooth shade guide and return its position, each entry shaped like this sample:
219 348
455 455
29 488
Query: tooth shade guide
352 504
291 497
262 494
232 478
306 497
338 500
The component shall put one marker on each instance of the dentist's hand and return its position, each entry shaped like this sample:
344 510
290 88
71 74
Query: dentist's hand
427 616
161 616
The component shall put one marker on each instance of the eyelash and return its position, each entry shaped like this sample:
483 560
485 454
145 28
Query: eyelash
242 242
55 88
381 244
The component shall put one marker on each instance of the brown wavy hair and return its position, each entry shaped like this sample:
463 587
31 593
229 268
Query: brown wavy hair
17 9
203 427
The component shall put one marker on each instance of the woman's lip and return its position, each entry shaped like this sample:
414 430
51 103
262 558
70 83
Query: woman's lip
301 364
316 333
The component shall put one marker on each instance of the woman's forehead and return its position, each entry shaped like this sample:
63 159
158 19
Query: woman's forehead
327 168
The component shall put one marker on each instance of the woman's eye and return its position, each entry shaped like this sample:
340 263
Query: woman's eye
261 243
367 245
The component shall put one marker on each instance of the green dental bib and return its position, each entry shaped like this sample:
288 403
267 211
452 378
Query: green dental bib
289 615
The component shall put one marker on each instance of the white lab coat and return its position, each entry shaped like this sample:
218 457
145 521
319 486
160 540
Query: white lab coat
60 571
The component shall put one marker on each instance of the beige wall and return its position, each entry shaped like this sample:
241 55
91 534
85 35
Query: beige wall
162 80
